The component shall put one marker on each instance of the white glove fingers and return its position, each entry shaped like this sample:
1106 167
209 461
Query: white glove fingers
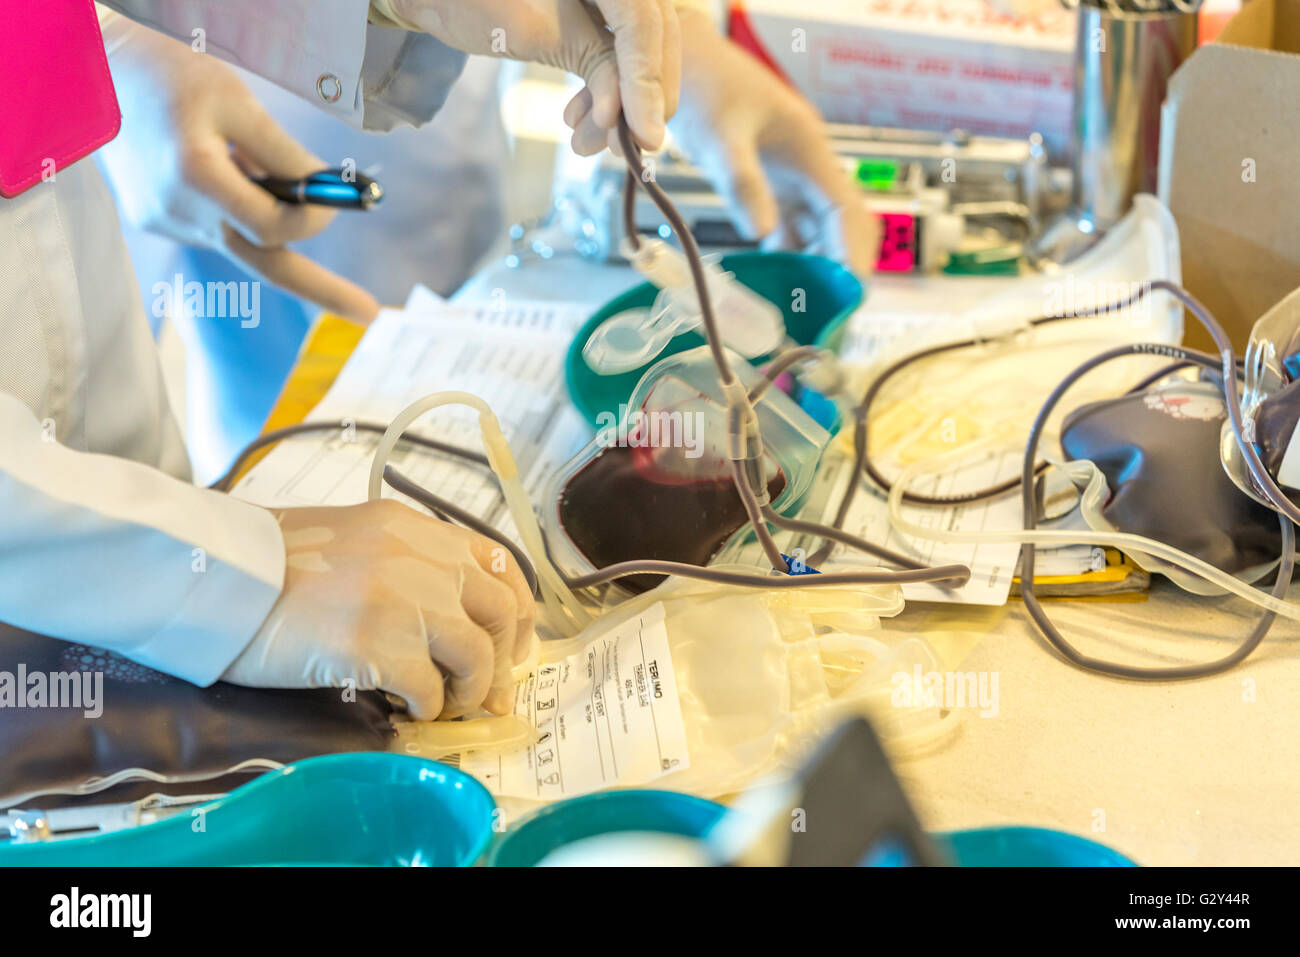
491 605
744 183
672 58
843 217
844 221
463 651
606 96
261 217
303 277
419 683
855 233
589 137
577 108
267 145
638 29
501 566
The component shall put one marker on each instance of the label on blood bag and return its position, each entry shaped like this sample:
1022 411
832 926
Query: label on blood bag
606 716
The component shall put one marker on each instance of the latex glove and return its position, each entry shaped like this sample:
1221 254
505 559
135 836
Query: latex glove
191 135
385 597
765 150
634 66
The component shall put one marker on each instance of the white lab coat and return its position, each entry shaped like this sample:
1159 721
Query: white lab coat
103 539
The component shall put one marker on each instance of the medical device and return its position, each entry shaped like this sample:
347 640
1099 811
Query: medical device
1157 448
910 176
658 484
744 456
746 463
1238 429
757 486
757 675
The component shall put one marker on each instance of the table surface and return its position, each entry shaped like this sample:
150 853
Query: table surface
1200 772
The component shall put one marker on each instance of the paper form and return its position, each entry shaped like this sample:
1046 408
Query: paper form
992 565
903 314
1068 560
510 355
606 716
872 335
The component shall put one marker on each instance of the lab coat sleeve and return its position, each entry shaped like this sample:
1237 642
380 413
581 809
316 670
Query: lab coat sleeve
112 553
372 77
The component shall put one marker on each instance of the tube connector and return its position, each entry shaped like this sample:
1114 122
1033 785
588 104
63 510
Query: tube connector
757 481
744 441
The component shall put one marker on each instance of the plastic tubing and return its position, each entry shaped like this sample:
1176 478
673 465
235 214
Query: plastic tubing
561 600
1124 541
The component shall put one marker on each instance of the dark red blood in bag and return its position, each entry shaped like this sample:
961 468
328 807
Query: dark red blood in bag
623 506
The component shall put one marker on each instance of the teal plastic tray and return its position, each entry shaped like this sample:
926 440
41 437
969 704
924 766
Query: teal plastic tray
1028 847
388 809
606 812
827 292
669 812
342 809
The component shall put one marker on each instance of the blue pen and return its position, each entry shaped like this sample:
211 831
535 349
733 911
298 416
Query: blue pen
337 188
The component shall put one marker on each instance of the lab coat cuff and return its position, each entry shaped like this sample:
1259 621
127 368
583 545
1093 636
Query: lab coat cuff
405 79
230 601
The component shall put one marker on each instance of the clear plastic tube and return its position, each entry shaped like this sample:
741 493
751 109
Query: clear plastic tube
1133 544
566 609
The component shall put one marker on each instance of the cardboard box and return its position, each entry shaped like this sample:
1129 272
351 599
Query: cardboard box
1230 166
921 64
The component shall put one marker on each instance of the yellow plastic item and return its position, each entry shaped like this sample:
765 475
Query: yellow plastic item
324 353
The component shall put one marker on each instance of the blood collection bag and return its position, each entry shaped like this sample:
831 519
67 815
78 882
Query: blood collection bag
656 483
1270 401
740 682
1158 450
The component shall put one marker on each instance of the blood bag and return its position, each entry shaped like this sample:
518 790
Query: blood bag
1270 401
743 680
656 482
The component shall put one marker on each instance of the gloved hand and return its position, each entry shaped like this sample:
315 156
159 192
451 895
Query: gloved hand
637 69
191 135
763 147
385 597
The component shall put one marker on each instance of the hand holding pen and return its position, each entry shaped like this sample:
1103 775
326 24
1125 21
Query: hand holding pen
335 188
181 164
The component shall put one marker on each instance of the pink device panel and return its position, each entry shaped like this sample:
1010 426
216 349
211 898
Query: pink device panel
898 243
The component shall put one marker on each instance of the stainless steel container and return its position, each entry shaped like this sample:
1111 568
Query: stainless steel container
1123 61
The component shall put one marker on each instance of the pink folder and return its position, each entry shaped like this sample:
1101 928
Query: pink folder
57 102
